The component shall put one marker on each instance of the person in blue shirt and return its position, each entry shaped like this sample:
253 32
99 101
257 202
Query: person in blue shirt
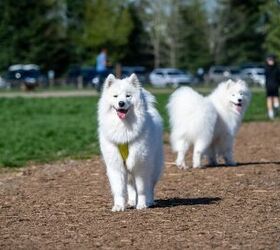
101 61
101 66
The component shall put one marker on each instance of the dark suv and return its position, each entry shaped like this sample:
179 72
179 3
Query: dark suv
27 75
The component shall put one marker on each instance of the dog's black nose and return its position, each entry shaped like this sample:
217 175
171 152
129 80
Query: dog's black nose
239 100
121 104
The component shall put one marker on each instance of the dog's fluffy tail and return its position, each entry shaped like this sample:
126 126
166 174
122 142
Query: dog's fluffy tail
189 113
182 103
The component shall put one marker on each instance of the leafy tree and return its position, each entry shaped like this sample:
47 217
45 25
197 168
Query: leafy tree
177 31
272 27
107 24
237 32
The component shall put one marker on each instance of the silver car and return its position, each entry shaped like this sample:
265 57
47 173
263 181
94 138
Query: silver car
254 76
162 77
218 74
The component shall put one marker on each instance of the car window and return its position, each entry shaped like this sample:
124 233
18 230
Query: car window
174 72
159 73
218 71
234 71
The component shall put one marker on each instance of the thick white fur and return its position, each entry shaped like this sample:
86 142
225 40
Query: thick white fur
208 123
142 130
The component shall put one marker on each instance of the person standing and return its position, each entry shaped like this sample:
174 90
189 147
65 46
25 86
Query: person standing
272 79
101 67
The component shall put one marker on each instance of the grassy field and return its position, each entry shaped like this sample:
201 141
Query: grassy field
43 130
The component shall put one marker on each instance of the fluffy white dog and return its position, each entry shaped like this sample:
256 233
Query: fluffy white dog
130 136
208 123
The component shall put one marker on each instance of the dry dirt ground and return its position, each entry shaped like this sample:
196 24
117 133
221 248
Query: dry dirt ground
67 205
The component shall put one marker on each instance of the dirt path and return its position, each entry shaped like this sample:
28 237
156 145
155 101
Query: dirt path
67 205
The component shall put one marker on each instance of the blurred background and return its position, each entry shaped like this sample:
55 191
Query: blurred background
166 42
51 46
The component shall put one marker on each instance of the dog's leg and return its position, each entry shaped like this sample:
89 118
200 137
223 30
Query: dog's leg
228 157
228 154
211 155
144 191
118 182
131 189
199 149
182 149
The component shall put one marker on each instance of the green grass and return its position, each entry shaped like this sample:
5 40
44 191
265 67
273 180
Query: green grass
43 130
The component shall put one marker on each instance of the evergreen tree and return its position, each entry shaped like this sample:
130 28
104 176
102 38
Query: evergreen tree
75 28
34 32
138 51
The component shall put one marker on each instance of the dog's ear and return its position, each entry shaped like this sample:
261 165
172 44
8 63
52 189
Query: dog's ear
109 81
133 79
242 83
229 83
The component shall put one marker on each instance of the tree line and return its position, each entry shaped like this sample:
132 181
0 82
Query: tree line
56 34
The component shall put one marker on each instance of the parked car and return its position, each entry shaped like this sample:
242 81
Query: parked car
138 70
254 75
28 75
162 77
233 73
217 74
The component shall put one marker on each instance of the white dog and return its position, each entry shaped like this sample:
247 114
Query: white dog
208 123
130 135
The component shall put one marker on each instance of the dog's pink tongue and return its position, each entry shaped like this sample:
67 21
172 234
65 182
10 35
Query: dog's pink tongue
121 114
239 108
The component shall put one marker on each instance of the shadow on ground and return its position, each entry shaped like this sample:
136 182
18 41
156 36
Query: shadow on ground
241 164
174 202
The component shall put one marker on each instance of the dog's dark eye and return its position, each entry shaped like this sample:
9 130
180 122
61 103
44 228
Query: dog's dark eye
128 96
115 96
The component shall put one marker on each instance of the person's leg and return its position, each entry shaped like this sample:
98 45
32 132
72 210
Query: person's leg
269 103
276 104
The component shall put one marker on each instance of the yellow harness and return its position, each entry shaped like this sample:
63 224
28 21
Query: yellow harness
123 149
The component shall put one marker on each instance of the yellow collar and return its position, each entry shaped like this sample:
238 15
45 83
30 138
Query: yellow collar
123 149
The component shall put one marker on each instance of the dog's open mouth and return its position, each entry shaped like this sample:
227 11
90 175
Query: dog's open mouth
122 113
238 106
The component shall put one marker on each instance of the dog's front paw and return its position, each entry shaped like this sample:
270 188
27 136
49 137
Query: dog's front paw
197 166
181 165
141 206
131 203
145 205
118 208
